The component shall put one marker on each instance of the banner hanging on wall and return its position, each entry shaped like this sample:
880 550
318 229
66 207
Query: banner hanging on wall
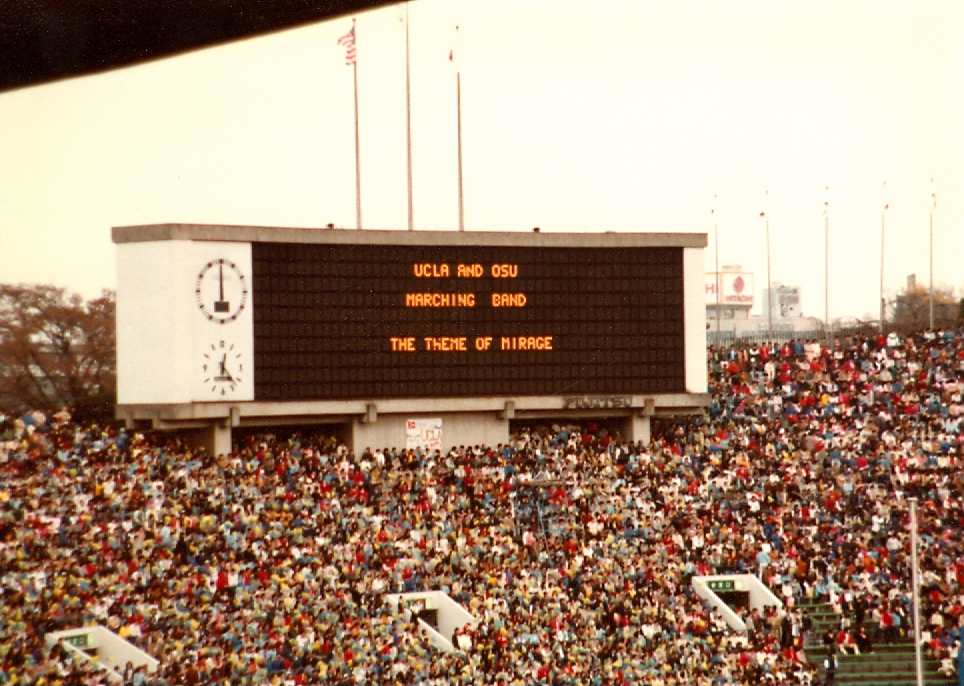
424 433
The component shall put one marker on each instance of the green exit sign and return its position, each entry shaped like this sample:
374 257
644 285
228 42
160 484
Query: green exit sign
720 585
78 641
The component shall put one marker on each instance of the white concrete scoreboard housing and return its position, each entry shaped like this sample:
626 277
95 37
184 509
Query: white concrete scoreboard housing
382 331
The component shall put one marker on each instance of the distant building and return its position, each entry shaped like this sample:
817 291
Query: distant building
729 299
785 302
729 296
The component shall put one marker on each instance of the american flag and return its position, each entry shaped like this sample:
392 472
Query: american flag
348 40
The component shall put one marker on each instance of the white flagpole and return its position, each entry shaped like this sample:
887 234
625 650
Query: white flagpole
931 295
716 266
883 215
458 110
408 123
769 284
348 41
826 265
357 146
915 585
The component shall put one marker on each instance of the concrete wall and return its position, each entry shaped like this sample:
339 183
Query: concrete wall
151 360
389 430
694 322
162 334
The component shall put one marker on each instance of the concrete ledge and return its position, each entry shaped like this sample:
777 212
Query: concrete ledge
258 413
467 421
264 234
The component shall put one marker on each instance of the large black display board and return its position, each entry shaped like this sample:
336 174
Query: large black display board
390 321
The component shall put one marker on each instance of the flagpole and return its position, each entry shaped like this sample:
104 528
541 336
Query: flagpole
716 276
882 306
458 97
408 122
769 285
931 295
883 216
458 111
357 146
826 266
915 586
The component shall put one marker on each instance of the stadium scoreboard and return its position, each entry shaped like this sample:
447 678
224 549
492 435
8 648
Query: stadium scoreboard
349 321
210 314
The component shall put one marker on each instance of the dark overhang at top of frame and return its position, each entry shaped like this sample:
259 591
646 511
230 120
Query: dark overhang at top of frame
47 40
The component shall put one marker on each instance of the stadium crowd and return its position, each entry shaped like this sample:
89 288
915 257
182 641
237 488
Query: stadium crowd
268 565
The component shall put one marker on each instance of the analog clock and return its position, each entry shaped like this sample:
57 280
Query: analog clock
221 291
222 367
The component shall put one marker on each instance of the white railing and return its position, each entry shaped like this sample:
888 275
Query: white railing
113 652
80 655
759 595
451 615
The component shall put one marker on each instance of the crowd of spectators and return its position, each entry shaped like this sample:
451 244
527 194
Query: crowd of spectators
268 565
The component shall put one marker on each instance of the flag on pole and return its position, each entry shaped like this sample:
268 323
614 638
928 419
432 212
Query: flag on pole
454 51
348 40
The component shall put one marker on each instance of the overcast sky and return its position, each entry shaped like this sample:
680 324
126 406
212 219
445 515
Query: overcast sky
577 116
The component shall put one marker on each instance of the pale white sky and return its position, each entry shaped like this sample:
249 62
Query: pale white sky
577 116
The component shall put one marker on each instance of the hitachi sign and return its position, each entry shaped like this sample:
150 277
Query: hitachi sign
735 287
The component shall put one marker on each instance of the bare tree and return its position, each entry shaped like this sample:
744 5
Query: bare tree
912 308
56 350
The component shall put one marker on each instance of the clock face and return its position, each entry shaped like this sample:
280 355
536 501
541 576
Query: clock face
221 291
223 367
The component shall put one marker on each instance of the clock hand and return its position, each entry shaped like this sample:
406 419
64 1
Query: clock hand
225 375
221 281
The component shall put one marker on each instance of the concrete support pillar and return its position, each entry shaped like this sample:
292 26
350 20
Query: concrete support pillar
215 439
639 428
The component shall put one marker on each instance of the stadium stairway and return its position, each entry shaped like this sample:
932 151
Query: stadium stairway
824 619
890 664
